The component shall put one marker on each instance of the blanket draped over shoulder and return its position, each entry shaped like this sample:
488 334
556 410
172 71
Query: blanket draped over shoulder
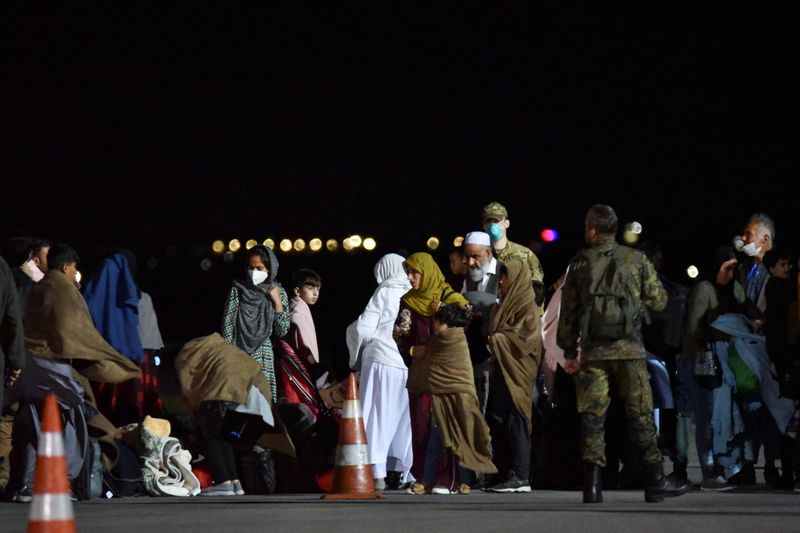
446 374
516 337
211 369
58 326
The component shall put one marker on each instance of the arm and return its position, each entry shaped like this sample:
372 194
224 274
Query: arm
698 305
653 294
282 319
231 307
568 317
12 333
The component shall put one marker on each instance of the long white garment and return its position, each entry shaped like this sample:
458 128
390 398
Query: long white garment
370 336
387 422
553 354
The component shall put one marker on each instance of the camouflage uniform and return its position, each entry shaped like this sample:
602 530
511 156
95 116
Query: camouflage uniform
513 249
621 361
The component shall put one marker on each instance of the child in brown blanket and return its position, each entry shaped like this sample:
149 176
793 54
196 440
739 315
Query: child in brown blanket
458 427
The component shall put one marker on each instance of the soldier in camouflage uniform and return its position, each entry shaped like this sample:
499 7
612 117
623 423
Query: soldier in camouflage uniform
496 214
611 357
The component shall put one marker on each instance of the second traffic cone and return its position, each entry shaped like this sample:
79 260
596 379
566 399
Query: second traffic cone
352 477
51 507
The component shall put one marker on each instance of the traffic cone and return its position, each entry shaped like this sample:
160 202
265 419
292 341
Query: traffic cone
352 477
51 508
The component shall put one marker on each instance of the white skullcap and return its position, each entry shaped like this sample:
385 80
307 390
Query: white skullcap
478 237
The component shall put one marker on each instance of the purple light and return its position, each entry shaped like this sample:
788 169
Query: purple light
549 235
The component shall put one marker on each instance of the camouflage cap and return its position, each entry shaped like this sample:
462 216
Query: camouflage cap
494 210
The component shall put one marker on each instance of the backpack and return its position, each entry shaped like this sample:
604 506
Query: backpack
611 303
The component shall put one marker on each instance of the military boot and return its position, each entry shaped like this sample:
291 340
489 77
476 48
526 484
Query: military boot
679 474
592 484
657 487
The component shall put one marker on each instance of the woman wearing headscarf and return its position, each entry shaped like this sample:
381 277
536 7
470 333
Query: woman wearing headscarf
413 328
257 308
515 342
382 388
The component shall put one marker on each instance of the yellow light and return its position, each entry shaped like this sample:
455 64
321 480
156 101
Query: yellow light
347 244
250 243
433 243
269 243
355 240
458 241
78 276
332 245
369 244
234 245
692 271
315 244
299 245
286 245
218 247
630 237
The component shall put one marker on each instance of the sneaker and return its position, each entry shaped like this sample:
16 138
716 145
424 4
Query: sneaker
23 495
463 489
440 489
223 489
237 488
716 484
511 484
380 484
417 489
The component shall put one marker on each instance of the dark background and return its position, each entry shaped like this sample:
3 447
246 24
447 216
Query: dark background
164 128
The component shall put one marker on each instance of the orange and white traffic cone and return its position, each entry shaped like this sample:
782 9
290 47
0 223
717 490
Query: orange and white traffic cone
51 507
352 477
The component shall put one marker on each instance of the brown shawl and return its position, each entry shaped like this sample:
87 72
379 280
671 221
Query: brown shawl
516 337
212 369
58 326
446 373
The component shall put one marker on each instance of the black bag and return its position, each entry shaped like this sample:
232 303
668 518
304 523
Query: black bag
707 369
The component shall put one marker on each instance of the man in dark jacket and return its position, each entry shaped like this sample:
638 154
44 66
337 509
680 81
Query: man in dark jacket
11 332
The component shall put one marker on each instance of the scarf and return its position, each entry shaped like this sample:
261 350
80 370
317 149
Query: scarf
301 317
58 326
253 322
516 336
432 288
372 330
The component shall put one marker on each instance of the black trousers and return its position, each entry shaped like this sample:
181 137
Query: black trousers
511 437
220 452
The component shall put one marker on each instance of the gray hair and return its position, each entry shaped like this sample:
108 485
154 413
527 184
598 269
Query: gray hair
766 223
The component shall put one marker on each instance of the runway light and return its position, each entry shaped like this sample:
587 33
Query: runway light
250 243
369 244
347 244
433 243
227 256
234 245
332 245
630 237
286 245
636 227
299 245
549 235
315 244
458 241
205 264
152 263
355 240
218 247
692 271
269 243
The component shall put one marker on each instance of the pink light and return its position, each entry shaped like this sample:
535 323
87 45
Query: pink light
549 235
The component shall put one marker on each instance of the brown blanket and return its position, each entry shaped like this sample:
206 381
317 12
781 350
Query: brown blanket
212 369
516 337
446 374
58 326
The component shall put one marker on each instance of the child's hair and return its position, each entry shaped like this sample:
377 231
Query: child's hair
304 277
453 315
772 257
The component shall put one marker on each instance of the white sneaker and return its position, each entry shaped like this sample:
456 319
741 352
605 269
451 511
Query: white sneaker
440 489
237 488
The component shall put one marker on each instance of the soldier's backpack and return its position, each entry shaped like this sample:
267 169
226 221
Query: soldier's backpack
611 303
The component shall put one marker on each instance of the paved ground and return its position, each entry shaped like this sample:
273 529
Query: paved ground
549 511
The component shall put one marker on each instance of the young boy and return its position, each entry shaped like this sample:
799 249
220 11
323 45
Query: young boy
457 424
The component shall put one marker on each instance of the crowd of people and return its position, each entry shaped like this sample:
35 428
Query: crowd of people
461 375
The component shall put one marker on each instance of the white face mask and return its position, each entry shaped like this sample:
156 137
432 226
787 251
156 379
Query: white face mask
258 276
751 250
35 273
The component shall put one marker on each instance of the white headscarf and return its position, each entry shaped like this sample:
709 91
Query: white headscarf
370 336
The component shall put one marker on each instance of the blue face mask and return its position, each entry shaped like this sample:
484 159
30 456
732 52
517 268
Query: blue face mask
495 231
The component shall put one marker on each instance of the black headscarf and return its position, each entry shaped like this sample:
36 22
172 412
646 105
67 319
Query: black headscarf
253 320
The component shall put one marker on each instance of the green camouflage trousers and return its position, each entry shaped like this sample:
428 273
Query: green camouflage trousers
632 381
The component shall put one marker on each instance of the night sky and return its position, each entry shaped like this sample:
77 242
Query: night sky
163 129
